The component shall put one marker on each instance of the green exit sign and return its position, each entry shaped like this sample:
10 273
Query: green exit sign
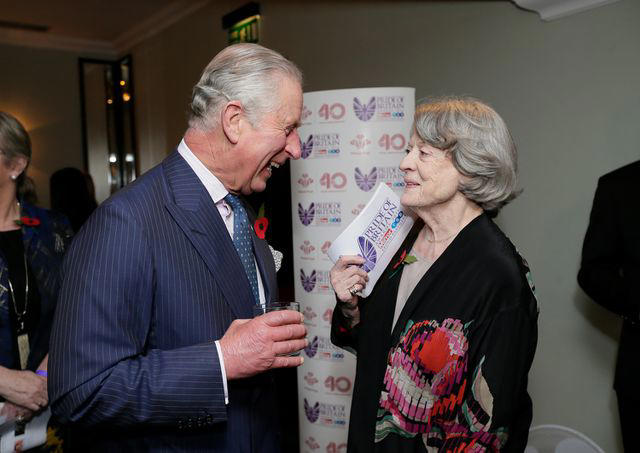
247 30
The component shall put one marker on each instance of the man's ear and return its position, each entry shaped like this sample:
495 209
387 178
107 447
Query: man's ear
230 118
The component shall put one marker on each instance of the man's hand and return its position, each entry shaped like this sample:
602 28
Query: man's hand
251 346
24 388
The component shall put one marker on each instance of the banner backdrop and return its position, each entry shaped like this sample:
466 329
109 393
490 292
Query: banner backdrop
352 140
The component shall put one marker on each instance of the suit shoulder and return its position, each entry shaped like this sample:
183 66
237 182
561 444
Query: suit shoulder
141 192
621 176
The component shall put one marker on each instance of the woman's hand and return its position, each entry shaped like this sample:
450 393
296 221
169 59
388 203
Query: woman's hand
11 411
24 388
348 278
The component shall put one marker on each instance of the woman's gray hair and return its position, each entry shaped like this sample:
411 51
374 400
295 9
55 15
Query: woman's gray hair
14 142
243 72
480 144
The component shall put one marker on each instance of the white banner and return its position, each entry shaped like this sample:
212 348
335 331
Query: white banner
352 140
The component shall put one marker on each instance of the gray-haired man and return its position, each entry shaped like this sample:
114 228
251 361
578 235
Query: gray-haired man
154 345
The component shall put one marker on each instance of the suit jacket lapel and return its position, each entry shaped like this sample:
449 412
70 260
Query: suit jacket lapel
196 214
264 258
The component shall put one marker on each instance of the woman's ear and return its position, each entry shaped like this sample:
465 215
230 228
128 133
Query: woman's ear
230 119
17 166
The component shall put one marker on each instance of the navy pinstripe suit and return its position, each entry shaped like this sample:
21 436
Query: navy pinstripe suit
149 283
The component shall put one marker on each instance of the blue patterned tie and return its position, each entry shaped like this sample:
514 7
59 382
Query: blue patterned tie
242 242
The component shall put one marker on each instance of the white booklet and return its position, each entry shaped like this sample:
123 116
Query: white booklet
35 433
376 234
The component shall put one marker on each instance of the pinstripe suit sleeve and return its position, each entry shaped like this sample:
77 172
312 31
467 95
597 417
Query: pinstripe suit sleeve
100 369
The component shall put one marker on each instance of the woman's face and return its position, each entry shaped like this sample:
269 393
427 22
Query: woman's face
430 177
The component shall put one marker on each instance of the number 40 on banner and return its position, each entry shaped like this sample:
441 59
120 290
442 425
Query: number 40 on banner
333 112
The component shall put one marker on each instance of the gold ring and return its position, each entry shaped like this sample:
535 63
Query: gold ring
353 290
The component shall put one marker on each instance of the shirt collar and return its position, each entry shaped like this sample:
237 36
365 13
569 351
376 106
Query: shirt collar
216 189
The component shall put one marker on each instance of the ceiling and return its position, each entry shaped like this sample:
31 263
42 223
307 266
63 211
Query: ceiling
88 25
111 27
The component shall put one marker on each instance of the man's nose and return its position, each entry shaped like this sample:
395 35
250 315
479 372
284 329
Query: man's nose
293 145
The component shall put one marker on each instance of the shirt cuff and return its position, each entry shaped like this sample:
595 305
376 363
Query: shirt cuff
224 373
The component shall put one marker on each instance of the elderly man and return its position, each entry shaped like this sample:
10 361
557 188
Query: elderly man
154 345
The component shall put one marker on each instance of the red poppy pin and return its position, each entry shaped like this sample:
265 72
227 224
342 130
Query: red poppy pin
261 224
405 260
28 221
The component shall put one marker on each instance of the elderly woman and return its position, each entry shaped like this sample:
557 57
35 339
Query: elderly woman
447 337
32 241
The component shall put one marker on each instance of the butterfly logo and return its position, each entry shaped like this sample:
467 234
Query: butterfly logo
306 147
306 215
366 181
312 413
308 281
368 252
312 348
364 112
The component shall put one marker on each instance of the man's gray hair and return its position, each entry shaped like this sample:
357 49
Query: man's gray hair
243 72
14 141
480 144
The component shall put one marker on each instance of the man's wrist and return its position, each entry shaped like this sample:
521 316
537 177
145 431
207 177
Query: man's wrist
223 372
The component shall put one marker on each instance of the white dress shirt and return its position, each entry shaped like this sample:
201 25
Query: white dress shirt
217 191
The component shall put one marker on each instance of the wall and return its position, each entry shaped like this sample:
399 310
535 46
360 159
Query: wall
40 88
166 67
569 90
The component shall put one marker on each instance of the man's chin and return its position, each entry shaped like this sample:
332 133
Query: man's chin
257 185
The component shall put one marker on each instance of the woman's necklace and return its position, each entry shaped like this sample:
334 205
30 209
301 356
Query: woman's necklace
23 336
438 241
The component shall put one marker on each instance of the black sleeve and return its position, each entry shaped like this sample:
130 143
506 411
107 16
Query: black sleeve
501 353
603 274
342 334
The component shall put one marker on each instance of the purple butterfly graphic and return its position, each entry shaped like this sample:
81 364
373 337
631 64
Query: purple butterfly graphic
306 147
368 252
306 215
366 181
312 349
308 282
364 112
312 413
